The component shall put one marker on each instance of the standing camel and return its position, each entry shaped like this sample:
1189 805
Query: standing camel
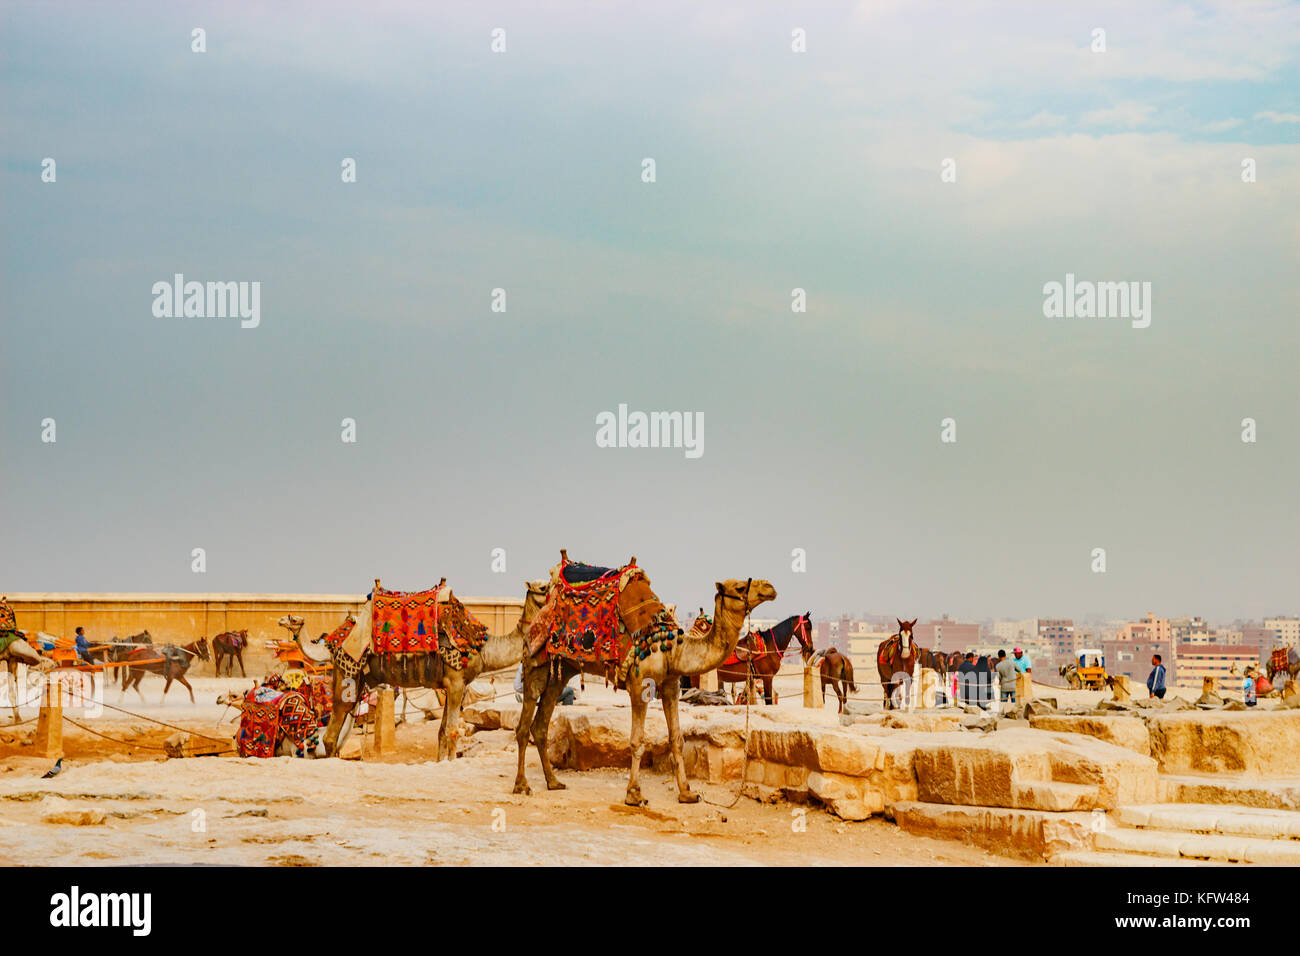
230 645
175 662
427 670
837 670
896 661
760 652
662 670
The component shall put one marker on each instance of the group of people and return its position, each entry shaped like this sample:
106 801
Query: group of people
975 676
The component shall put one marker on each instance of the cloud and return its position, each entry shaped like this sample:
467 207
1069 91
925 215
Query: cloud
1043 120
1221 126
1275 117
1129 114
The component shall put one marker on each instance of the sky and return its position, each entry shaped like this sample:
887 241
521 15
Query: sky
823 465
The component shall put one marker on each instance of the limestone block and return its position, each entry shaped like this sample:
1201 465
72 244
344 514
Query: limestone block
1127 732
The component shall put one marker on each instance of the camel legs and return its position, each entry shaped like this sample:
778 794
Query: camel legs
542 723
634 798
338 714
455 690
12 680
672 692
535 678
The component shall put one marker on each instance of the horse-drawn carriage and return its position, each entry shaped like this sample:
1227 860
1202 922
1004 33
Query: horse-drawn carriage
1091 671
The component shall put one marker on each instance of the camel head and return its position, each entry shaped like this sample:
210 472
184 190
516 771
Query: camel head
747 594
292 623
535 596
905 636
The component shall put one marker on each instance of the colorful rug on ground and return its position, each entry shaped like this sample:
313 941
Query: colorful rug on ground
269 715
600 615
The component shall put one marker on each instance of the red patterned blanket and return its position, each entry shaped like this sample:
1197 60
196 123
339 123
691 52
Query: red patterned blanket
269 715
404 622
749 647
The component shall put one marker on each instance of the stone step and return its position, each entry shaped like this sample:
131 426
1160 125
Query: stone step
1176 845
1265 793
1029 834
1097 858
1055 796
1207 818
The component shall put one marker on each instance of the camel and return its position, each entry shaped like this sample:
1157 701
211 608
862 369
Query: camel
498 651
1291 670
896 661
764 664
660 670
18 651
837 670
230 645
175 662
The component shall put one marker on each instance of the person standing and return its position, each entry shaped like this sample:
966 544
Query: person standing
1156 679
968 680
1023 664
1007 672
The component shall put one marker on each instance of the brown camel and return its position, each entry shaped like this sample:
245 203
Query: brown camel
175 661
762 661
230 645
837 670
659 671
426 670
896 662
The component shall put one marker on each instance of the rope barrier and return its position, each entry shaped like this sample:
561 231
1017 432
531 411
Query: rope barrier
129 743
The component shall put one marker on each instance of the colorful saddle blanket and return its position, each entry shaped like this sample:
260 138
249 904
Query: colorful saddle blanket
8 620
340 634
404 622
601 615
424 622
749 647
270 715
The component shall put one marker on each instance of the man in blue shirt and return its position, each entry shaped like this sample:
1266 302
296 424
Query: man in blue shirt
83 646
1023 664
1156 680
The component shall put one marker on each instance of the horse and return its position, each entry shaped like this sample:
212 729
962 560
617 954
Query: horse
837 670
763 659
230 645
896 660
1070 673
175 662
118 650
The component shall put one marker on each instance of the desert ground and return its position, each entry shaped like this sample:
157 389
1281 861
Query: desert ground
121 801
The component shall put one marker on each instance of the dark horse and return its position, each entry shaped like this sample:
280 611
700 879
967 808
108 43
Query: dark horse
896 661
230 645
837 670
119 649
175 662
764 659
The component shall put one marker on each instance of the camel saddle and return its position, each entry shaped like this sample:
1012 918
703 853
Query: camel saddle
595 614
268 713
423 622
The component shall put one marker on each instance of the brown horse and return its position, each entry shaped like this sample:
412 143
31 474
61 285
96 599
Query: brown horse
230 645
118 650
173 665
896 661
837 670
763 659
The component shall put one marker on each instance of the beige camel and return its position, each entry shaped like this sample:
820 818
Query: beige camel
498 651
20 652
661 671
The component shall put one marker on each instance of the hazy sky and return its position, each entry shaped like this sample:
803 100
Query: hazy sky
775 170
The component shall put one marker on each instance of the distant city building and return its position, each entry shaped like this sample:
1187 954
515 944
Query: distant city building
1012 632
1198 661
1259 635
1057 633
1133 659
1286 630
946 635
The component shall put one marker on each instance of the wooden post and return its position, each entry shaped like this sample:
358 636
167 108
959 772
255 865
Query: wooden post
385 725
49 723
